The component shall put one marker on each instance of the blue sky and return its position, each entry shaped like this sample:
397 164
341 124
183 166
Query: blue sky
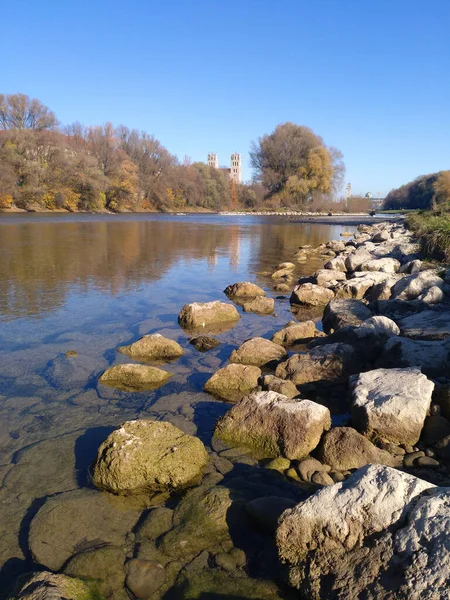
372 77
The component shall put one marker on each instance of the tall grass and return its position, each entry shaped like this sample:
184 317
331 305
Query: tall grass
433 230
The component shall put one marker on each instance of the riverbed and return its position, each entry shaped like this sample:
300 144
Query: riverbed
86 284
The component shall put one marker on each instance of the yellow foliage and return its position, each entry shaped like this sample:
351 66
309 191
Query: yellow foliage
6 201
442 189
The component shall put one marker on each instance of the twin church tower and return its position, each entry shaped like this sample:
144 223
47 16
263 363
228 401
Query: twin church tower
234 171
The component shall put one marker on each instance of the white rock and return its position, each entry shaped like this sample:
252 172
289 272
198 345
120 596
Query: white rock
413 286
433 295
336 264
381 325
391 404
426 325
324 276
357 258
385 265
432 357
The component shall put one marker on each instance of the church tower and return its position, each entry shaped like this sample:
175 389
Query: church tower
236 168
213 160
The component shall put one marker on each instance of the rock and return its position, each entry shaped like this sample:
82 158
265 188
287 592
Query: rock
282 287
282 274
382 325
431 357
442 448
104 567
306 468
339 313
357 258
433 295
413 286
71 372
428 462
144 577
322 478
214 583
244 289
279 464
293 334
152 347
157 522
337 544
397 309
328 362
336 264
267 510
286 265
207 314
200 522
385 265
233 382
260 305
134 378
204 343
324 276
78 521
381 291
411 267
344 448
381 236
391 404
274 425
258 352
147 456
426 325
52 586
435 428
359 285
309 294
270 383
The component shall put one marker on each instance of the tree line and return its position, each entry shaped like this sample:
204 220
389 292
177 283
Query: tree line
44 165
424 192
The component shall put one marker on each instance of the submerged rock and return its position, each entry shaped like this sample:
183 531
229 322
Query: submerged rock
260 305
204 343
206 314
310 294
152 347
148 456
233 382
244 289
258 352
344 448
339 313
274 425
134 378
391 404
328 362
144 577
293 334
53 586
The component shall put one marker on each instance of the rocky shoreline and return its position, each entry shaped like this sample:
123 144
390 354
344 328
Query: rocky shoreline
327 477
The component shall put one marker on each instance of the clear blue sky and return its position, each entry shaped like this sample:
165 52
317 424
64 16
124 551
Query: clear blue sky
372 77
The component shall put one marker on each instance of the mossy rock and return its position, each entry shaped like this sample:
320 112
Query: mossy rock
134 378
52 586
152 347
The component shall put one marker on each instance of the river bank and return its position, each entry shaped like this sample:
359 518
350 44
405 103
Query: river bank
325 396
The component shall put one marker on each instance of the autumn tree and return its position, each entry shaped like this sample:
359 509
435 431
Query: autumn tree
294 164
18 111
441 198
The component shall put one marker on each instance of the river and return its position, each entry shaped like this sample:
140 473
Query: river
88 284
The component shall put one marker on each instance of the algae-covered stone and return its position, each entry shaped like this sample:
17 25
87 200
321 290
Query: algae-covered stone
144 577
199 522
258 352
206 314
244 289
274 425
270 383
146 456
104 567
134 378
260 305
157 522
152 347
233 382
53 586
295 333
79 520
204 343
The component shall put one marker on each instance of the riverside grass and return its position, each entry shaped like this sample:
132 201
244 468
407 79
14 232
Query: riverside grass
433 230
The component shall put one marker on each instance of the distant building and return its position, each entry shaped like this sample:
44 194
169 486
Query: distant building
348 191
234 172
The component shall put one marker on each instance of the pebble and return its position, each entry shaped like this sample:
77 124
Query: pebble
435 410
144 577
427 461
280 464
408 449
410 458
292 473
430 452
322 478
337 476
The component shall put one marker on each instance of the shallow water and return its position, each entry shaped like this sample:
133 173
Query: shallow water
90 283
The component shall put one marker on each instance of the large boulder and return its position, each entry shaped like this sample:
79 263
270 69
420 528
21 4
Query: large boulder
339 313
391 404
207 314
359 284
411 287
292 334
79 520
274 425
259 305
324 276
52 586
258 352
134 378
357 258
433 358
309 294
344 448
328 362
336 264
270 383
233 382
385 265
426 325
148 456
152 347
397 309
244 289
339 542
